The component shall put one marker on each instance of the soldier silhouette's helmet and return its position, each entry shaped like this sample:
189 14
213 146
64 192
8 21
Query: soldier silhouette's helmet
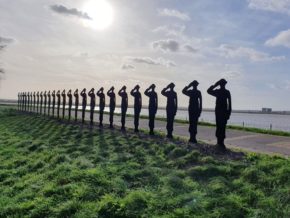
137 87
153 86
223 82
171 85
102 89
194 83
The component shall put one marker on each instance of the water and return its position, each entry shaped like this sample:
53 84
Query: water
262 121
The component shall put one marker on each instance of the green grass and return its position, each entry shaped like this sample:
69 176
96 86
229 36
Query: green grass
54 169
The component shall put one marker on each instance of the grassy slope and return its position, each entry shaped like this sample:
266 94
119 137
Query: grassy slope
51 169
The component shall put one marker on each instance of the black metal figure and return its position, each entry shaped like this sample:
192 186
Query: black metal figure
45 102
84 104
194 108
48 103
31 102
137 105
58 102
92 105
223 110
76 95
124 105
63 103
153 105
69 95
41 102
101 95
171 107
37 103
53 102
112 96
34 101
28 102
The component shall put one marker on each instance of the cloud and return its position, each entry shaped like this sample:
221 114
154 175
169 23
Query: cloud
173 13
280 6
70 11
4 40
166 45
231 75
151 61
3 43
282 39
190 49
170 30
231 51
127 67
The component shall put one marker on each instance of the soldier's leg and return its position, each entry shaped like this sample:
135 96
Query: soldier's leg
169 125
92 115
151 122
83 113
123 115
111 117
101 117
76 112
136 120
220 132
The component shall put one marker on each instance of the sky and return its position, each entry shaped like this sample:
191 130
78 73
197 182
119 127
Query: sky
69 44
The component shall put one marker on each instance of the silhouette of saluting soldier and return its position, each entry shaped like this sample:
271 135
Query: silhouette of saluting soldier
153 105
124 105
31 102
84 103
137 105
58 103
93 104
18 100
37 105
76 95
112 96
53 102
45 101
34 100
41 101
223 109
194 108
23 101
171 107
49 102
63 103
101 95
28 101
69 95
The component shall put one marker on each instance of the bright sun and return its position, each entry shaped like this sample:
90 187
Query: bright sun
101 13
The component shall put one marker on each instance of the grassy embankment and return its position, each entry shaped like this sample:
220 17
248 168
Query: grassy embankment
53 169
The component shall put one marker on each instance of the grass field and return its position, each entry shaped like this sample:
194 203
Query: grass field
54 169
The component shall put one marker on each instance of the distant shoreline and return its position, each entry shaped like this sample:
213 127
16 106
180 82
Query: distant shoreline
13 102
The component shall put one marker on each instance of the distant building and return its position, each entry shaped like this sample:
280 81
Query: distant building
266 110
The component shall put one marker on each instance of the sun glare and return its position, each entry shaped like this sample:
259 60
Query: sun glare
100 12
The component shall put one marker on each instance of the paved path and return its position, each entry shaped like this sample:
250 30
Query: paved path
249 141
235 138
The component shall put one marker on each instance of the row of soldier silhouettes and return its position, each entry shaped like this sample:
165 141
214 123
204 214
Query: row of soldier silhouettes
44 102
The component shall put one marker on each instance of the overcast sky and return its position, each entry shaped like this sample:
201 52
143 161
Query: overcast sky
46 44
